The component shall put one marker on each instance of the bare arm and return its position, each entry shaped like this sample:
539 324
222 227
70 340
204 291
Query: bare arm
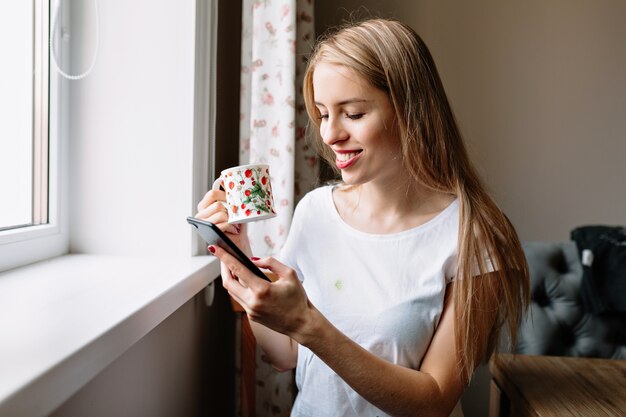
434 390
281 350
431 391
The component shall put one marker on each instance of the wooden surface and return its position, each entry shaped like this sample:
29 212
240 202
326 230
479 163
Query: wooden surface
248 359
550 386
248 369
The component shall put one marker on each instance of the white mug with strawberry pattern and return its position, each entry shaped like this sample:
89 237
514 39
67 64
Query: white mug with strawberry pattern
248 193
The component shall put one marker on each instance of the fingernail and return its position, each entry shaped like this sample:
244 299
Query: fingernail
254 258
211 248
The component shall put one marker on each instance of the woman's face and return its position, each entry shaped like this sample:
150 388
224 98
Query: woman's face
357 123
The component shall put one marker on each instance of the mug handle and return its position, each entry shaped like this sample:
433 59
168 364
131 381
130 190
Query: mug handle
217 183
216 186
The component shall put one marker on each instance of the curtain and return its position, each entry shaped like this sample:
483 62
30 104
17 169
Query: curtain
277 36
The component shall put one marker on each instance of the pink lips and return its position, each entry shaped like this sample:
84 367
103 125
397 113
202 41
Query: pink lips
347 163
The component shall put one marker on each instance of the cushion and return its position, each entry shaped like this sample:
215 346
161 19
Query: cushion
557 323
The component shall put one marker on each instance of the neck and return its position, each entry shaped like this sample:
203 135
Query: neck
384 208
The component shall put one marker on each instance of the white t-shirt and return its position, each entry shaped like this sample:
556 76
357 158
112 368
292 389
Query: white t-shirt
385 292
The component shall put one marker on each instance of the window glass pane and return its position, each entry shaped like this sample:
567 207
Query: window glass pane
16 113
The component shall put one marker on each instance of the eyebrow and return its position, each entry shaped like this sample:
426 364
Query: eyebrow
344 102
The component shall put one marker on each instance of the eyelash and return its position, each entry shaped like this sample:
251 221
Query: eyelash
355 116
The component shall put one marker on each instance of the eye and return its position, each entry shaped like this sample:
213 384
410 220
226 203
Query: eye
322 117
354 116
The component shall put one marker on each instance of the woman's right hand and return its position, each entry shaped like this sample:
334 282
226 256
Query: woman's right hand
211 209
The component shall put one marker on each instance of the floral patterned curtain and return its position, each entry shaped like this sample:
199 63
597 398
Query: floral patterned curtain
277 37
276 40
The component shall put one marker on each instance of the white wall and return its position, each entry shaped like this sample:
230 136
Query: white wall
539 91
130 125
185 367
131 128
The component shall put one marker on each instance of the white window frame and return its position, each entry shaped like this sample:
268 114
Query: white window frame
204 108
28 244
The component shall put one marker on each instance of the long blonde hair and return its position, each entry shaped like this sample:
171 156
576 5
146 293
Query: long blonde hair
394 59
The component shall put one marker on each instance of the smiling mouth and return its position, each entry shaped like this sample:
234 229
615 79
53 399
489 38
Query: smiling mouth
344 157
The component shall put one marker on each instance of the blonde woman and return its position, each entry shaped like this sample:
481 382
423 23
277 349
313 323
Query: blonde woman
395 283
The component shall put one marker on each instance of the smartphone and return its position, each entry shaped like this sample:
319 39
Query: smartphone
214 236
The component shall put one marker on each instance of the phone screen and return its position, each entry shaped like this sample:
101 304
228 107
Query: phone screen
214 236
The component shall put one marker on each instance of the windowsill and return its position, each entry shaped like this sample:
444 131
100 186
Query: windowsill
64 320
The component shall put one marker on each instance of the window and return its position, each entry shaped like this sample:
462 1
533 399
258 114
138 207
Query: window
24 106
28 175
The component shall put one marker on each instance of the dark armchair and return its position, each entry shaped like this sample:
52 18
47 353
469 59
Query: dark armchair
557 323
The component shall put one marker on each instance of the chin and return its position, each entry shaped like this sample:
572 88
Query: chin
375 177
351 179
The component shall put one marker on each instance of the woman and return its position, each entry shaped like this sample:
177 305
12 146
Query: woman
395 283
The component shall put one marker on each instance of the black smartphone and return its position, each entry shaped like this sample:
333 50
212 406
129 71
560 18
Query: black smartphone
214 236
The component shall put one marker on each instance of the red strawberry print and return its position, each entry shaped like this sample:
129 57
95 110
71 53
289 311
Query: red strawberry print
248 212
267 99
242 182
270 28
234 209
247 193
248 173
264 180
258 212
231 185
253 183
243 205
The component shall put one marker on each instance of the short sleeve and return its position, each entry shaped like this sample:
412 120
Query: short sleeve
451 264
449 268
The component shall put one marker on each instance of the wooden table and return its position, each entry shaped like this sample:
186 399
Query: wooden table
550 386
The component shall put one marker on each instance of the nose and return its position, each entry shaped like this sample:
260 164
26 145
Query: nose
332 130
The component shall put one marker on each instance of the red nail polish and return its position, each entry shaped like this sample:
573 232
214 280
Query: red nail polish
254 258
212 249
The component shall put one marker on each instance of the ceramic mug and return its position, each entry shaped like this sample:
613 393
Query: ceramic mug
248 193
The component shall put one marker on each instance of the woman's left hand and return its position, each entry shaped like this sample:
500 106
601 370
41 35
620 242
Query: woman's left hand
281 305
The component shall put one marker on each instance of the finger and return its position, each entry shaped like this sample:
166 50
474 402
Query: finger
275 266
210 210
231 283
210 197
227 276
237 291
245 276
233 229
216 214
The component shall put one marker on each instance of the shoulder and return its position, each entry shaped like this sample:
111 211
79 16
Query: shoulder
315 199
313 205
448 220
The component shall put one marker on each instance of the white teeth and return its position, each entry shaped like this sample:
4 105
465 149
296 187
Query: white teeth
343 157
